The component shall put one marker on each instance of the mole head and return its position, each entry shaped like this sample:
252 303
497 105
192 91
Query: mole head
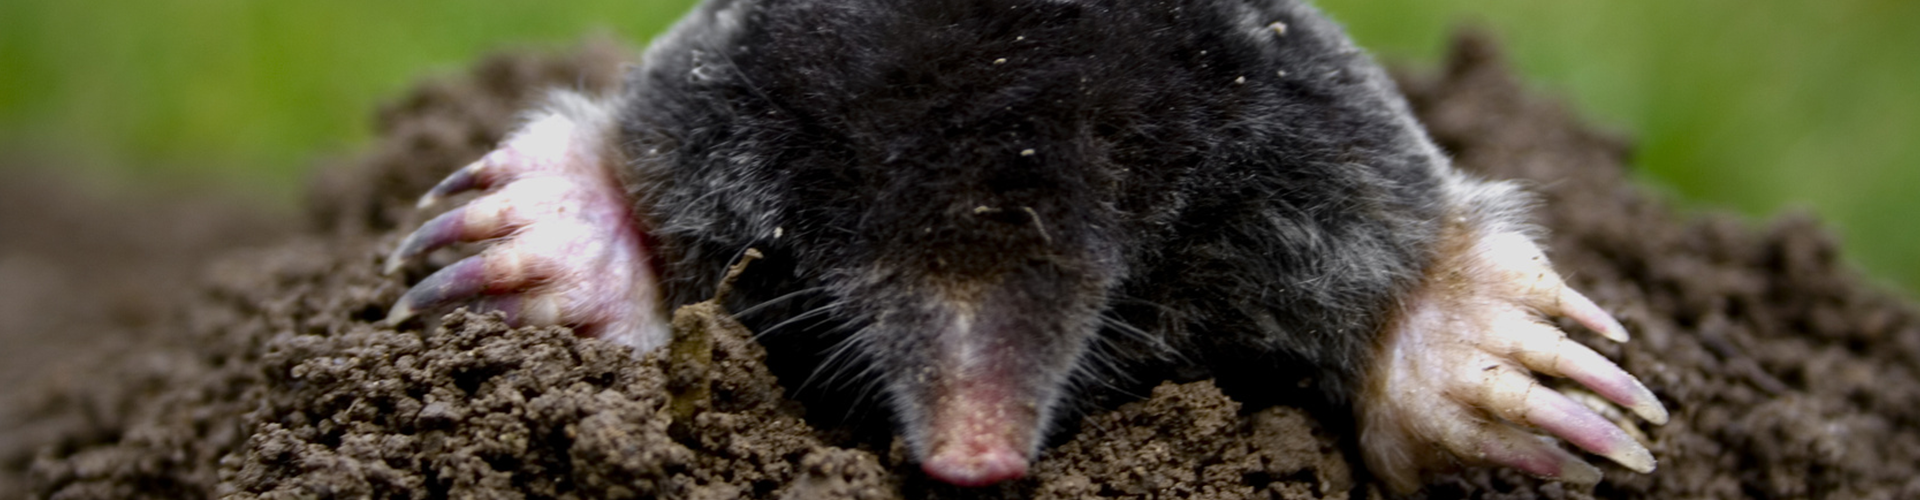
972 245
976 298
947 172
954 204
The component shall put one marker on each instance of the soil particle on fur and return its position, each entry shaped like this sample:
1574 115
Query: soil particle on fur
1787 374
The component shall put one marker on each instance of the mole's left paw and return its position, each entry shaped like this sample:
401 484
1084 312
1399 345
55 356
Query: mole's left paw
564 246
1454 379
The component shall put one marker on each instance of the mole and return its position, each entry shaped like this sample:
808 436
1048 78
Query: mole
973 201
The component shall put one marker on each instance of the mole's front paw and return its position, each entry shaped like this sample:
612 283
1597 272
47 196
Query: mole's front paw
565 247
1454 381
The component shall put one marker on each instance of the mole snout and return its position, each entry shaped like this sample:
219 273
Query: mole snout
976 366
963 199
981 415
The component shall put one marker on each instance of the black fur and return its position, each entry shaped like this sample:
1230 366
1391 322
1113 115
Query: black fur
1179 165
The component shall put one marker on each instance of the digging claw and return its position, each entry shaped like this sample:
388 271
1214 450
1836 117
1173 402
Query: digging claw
446 229
450 285
1582 310
1519 399
1512 447
465 179
1570 359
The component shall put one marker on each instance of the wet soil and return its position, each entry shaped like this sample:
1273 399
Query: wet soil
170 350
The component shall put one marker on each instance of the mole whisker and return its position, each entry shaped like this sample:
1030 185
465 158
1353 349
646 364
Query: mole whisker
778 300
810 314
842 355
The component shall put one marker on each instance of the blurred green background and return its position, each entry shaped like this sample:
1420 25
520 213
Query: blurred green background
1756 106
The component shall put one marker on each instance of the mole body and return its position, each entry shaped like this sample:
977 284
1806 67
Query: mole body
970 196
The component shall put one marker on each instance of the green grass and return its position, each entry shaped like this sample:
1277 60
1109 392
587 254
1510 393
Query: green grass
1753 106
253 90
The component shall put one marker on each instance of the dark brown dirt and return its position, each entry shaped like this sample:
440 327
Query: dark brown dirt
89 277
1788 375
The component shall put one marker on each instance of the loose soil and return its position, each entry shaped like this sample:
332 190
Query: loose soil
170 350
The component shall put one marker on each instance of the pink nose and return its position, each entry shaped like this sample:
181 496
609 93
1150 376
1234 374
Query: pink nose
980 433
979 461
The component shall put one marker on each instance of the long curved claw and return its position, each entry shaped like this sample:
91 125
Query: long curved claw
1545 349
450 285
1513 447
443 230
1581 309
1522 400
465 179
500 269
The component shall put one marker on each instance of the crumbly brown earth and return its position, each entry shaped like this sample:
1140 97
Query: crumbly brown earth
146 358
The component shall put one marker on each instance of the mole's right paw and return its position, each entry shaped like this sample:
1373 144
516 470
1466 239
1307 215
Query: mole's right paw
564 246
1454 381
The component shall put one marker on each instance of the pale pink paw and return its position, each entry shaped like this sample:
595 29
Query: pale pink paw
563 245
1454 381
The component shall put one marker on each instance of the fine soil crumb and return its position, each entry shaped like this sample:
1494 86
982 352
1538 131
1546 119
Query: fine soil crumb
1191 441
1788 375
